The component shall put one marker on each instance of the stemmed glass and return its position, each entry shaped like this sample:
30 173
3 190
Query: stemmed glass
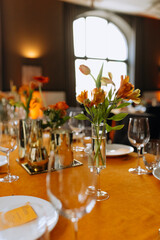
77 126
67 189
8 143
138 135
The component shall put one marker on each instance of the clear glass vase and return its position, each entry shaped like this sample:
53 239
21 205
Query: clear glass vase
99 156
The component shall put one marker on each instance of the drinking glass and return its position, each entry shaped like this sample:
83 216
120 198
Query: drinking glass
77 126
67 189
138 135
151 154
99 157
8 143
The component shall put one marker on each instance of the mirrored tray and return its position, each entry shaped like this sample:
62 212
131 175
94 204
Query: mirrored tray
31 171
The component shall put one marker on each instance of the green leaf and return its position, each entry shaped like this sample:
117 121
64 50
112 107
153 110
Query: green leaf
118 117
87 110
98 81
106 103
110 94
124 105
81 117
118 127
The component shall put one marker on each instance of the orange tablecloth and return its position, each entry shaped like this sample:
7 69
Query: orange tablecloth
132 211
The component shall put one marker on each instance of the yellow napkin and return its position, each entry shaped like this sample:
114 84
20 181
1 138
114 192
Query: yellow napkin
17 216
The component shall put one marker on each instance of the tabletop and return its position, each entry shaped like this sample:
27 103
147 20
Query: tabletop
131 212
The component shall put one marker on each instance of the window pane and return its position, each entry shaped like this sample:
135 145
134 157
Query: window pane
79 37
86 82
118 48
96 37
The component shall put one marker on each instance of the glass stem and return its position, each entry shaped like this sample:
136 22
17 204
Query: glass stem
8 165
75 224
98 180
139 155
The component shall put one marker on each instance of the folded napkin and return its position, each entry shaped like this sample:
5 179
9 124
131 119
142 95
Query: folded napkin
17 216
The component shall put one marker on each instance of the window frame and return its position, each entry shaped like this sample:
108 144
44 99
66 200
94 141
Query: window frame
125 28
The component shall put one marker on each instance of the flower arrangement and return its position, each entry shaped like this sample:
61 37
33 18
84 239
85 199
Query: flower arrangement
56 115
26 95
102 103
99 107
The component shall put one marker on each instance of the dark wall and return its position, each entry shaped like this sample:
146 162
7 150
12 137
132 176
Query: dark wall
39 25
33 25
147 76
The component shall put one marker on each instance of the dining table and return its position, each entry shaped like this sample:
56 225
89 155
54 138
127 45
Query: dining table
131 212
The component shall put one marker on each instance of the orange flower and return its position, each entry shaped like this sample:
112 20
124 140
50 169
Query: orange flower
98 96
84 69
41 79
33 85
82 97
34 102
126 91
24 90
61 106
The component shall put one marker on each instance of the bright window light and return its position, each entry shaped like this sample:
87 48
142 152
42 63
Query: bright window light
97 42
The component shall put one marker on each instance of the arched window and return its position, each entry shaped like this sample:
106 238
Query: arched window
98 39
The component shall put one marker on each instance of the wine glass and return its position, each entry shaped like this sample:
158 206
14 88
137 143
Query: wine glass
67 189
138 135
8 143
77 126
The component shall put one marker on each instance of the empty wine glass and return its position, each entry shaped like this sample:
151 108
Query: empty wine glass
67 189
77 126
8 143
138 135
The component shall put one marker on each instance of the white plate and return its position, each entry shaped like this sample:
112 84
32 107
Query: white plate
114 150
26 231
3 160
156 173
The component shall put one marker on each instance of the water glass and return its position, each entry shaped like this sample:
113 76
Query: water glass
151 154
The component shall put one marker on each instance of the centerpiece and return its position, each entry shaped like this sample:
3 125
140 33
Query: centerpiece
30 124
27 99
60 142
98 110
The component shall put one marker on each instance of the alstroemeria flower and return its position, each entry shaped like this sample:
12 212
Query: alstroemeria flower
105 80
134 96
41 79
82 97
98 96
84 69
126 91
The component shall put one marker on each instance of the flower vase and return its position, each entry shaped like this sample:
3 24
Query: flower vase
31 147
23 138
61 144
99 155
37 156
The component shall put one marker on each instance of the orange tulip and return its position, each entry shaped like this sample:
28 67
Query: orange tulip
98 95
84 69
